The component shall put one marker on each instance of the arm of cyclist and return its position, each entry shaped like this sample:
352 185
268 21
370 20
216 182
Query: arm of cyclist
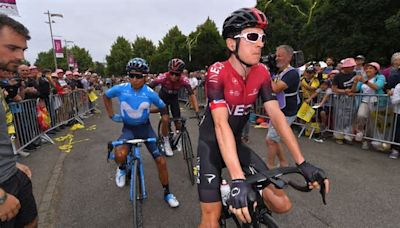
240 190
108 104
314 175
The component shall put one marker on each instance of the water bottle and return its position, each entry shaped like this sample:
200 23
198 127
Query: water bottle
225 191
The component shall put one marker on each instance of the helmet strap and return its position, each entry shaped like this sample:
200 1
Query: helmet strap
236 53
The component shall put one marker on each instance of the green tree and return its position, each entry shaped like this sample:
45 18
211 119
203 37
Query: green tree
45 60
143 48
120 54
100 68
206 46
173 45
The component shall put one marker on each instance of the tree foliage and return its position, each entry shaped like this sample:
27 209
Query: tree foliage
143 48
120 54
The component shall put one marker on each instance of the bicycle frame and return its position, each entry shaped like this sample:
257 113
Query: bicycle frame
134 155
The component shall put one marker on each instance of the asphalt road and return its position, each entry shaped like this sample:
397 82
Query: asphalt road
77 189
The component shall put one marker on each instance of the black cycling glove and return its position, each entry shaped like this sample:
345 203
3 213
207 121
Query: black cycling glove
241 193
312 173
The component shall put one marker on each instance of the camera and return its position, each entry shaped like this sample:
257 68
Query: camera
270 61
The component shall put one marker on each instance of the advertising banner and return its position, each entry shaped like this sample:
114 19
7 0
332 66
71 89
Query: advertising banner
9 7
58 48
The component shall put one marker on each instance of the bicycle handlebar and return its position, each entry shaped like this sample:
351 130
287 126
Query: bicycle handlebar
273 175
132 141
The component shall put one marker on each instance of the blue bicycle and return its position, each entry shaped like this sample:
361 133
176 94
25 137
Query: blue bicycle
134 170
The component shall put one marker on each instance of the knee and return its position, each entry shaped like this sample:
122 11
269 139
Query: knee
209 219
270 142
284 205
120 155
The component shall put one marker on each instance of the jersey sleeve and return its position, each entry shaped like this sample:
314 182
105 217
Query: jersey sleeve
158 80
155 99
215 86
113 91
186 84
266 87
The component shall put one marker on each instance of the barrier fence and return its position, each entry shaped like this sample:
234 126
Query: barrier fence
55 111
364 117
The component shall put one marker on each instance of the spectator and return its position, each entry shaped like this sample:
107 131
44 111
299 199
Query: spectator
309 83
395 65
395 99
373 84
323 106
194 83
343 102
359 68
329 65
11 85
15 178
285 85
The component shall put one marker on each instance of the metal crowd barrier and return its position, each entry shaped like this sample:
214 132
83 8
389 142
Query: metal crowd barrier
200 95
378 123
61 108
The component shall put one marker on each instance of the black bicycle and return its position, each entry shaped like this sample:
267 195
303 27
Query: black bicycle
261 214
181 137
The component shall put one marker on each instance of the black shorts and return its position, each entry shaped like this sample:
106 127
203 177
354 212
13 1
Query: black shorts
20 186
172 103
210 165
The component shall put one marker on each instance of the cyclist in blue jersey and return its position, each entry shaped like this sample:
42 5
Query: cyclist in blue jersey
135 100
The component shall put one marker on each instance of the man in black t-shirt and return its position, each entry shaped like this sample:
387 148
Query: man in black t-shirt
285 86
343 101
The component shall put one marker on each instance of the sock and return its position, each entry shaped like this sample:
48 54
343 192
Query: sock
166 189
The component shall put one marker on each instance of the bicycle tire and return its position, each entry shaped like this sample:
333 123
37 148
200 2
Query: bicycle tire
188 154
159 132
136 198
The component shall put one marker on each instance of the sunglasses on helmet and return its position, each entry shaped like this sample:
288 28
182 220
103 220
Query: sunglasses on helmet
252 37
136 75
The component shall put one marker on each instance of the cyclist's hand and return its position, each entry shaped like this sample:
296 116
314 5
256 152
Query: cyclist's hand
241 194
116 118
315 176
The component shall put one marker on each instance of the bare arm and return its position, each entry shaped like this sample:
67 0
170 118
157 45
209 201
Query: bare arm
284 130
195 105
226 142
108 105
278 86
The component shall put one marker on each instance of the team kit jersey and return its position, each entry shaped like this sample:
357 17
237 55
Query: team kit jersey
225 88
135 105
170 87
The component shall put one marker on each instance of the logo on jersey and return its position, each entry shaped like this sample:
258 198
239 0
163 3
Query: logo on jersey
253 93
234 93
210 177
132 113
239 110
235 191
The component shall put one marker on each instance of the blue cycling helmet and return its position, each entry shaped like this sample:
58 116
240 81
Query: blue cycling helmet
138 65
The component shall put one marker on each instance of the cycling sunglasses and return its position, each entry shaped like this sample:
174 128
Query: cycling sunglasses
176 74
252 37
136 75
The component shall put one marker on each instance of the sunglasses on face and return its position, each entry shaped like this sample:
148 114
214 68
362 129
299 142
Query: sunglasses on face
252 37
138 76
176 74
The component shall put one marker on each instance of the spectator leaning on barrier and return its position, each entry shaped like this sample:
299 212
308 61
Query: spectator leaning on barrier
372 84
17 204
309 83
394 77
395 99
329 65
343 102
285 85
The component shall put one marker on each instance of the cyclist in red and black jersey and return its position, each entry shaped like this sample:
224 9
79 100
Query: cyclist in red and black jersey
171 82
232 87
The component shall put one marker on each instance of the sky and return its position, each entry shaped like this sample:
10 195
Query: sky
96 24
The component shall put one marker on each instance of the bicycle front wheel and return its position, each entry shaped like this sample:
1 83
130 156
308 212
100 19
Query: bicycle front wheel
188 154
136 196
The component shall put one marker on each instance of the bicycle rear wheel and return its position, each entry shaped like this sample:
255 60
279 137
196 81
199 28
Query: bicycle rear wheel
136 196
188 154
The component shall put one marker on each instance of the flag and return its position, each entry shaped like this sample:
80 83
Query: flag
58 48
9 7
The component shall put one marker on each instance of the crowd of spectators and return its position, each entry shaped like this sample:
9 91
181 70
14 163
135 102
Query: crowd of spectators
358 100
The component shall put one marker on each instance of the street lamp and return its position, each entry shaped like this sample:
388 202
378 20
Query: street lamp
190 43
50 15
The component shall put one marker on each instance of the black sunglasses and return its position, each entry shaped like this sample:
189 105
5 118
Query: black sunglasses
176 74
138 76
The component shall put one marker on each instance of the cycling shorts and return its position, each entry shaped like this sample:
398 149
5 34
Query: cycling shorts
20 186
142 131
210 164
172 103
